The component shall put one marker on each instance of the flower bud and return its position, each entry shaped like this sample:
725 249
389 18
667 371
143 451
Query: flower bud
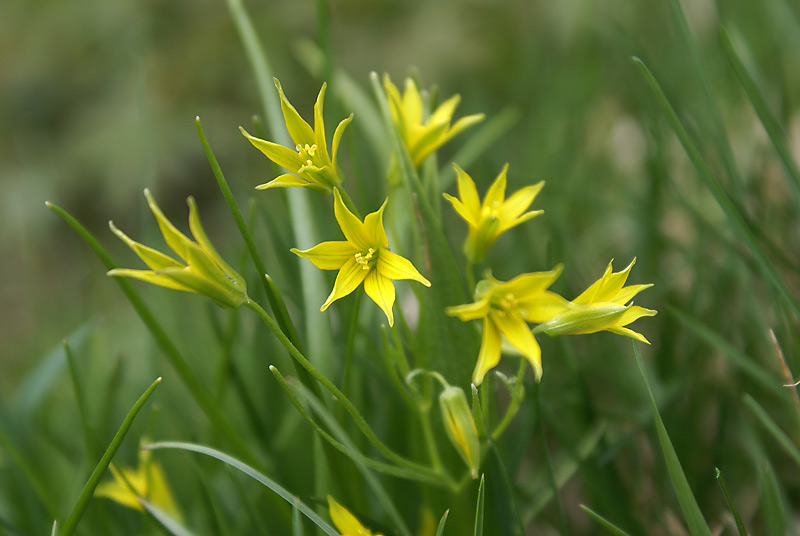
460 427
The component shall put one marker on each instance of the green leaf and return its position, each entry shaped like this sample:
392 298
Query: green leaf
479 511
172 526
691 511
440 530
774 430
252 473
603 522
94 479
731 504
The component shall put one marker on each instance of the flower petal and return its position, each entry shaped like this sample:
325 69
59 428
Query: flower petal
286 180
613 284
346 522
519 201
489 355
497 192
351 226
176 240
151 257
589 295
469 195
412 103
149 276
328 255
444 112
373 226
626 294
629 333
319 125
394 266
199 234
463 124
283 156
470 311
381 290
350 276
300 131
516 331
337 136
528 286
543 307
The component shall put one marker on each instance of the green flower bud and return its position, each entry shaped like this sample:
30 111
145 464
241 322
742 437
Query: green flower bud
460 427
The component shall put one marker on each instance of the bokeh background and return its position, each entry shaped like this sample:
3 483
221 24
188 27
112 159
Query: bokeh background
98 100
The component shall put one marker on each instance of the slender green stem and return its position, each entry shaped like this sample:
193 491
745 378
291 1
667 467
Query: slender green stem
348 201
513 406
551 476
348 406
88 490
351 337
470 273
88 437
731 504
430 440
273 296
199 392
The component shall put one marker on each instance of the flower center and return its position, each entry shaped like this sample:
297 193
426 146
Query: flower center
307 152
505 303
367 259
492 211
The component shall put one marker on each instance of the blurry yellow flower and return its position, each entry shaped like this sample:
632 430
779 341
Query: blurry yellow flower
460 427
149 482
203 271
423 135
602 307
505 307
346 522
363 256
309 163
488 220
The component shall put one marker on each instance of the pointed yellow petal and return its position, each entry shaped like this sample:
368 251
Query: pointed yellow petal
589 295
381 290
470 311
199 234
412 103
283 156
469 195
351 226
489 355
444 112
350 276
629 333
613 284
461 210
527 286
149 276
345 521
543 307
497 191
319 125
175 239
373 226
328 255
394 266
626 294
151 257
463 124
516 331
633 313
287 180
519 202
300 131
337 136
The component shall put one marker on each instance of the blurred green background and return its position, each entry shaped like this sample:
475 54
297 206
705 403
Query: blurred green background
98 100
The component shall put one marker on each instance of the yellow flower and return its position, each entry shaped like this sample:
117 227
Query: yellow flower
309 164
203 271
604 306
488 220
363 256
346 522
149 483
423 135
505 307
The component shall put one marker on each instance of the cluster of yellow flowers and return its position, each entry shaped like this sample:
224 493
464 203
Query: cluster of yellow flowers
506 308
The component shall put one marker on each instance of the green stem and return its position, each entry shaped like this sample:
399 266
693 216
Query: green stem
94 479
199 392
273 296
348 406
470 275
513 406
348 202
351 336
430 440
551 476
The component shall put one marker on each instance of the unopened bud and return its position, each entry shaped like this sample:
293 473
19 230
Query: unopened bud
460 427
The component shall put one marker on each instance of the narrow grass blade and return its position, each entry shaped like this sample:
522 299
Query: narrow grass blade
771 504
479 511
759 102
774 430
172 526
297 521
94 479
736 219
31 476
742 361
252 473
731 504
440 529
603 522
199 392
691 511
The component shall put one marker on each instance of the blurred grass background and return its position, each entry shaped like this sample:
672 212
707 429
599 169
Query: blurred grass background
97 101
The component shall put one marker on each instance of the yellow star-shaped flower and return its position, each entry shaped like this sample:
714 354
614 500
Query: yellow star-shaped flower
604 306
346 522
505 307
363 256
423 135
488 220
309 164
